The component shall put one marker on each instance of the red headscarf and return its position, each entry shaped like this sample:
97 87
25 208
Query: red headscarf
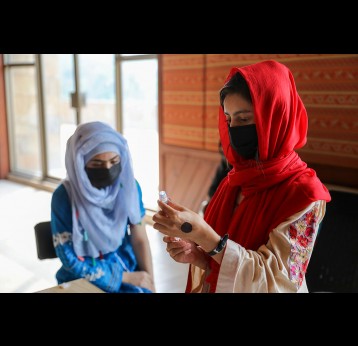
280 184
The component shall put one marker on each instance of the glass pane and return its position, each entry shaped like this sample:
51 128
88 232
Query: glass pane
140 123
23 121
60 117
97 84
19 58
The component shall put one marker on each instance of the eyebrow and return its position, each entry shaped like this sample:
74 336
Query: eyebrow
97 160
239 112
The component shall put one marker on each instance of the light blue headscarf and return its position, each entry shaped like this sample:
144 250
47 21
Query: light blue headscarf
101 213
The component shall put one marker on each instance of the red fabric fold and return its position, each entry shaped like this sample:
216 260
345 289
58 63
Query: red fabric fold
278 186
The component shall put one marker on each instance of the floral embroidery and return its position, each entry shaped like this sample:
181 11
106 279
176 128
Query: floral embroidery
61 238
302 235
96 275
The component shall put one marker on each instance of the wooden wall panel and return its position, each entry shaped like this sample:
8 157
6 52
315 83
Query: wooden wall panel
187 174
328 86
183 100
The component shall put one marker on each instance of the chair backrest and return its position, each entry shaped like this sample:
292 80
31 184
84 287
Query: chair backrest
334 263
44 242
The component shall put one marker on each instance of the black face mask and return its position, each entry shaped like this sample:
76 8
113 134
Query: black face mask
102 177
244 140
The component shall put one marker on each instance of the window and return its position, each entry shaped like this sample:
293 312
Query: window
23 111
139 85
49 94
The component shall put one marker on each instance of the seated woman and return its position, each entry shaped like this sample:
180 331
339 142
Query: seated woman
97 214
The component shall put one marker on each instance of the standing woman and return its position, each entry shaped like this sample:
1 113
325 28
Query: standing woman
97 214
260 226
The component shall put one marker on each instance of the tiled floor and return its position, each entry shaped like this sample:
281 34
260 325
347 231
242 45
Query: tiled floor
21 207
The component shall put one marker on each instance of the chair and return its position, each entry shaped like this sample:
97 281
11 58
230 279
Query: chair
333 266
44 242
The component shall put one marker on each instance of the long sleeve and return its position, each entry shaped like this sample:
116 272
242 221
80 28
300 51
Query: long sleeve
105 272
279 265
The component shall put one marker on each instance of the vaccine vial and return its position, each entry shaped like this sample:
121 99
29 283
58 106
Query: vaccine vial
163 196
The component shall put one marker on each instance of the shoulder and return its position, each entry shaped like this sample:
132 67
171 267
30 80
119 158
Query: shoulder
137 184
310 185
140 198
59 196
139 188
60 192
316 210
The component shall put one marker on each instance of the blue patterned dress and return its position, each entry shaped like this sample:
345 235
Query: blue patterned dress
105 271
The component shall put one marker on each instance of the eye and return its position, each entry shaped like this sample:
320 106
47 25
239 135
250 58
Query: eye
115 160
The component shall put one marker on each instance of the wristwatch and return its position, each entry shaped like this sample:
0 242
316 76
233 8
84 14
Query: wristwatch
220 246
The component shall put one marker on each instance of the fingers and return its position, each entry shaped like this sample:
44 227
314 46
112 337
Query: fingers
162 222
176 206
170 207
175 242
159 217
168 239
174 249
161 213
166 208
177 245
160 228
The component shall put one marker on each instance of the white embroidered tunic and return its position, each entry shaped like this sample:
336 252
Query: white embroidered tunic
278 266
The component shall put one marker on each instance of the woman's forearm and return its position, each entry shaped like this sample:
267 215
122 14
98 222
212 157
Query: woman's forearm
141 248
142 252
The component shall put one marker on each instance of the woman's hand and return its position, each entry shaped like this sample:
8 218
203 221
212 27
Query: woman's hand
171 217
139 278
185 251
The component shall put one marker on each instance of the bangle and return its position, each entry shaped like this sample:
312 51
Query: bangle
220 246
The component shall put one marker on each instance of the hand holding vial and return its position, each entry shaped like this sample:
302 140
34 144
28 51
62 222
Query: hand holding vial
164 198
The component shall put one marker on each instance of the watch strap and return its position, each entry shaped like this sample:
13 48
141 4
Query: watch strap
220 245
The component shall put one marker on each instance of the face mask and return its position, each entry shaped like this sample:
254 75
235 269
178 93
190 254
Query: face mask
244 140
102 177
